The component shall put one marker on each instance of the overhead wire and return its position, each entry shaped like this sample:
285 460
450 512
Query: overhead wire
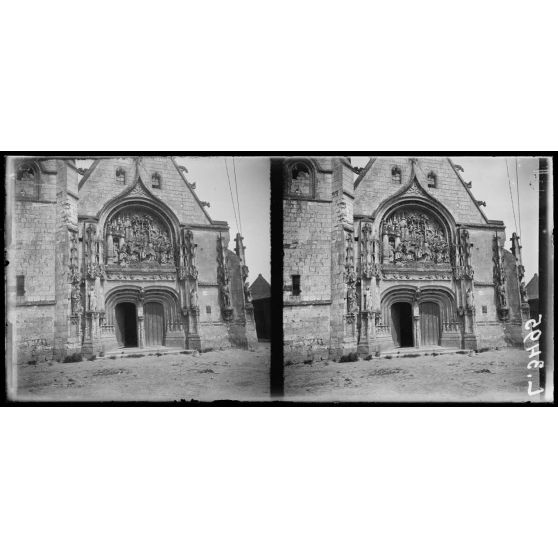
237 202
230 190
517 189
511 195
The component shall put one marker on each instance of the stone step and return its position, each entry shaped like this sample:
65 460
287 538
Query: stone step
135 351
419 351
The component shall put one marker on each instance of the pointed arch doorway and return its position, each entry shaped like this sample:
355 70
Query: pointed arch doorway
126 324
402 324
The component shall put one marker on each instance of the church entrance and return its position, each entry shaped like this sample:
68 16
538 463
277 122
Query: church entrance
402 324
126 324
154 324
429 324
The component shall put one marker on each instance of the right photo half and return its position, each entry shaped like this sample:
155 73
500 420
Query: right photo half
413 279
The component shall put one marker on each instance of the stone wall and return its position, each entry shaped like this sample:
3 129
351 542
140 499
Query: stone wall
307 252
99 186
307 249
32 255
34 333
306 332
377 185
207 253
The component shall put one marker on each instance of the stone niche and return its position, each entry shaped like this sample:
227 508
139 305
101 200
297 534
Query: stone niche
138 239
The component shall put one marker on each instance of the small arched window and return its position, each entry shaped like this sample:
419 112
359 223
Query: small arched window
120 176
26 173
396 175
432 181
27 183
156 180
300 180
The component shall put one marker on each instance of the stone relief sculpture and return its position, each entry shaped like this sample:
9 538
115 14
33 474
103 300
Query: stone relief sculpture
500 279
76 299
410 236
138 239
223 279
350 275
349 251
367 252
92 248
351 279
75 276
342 213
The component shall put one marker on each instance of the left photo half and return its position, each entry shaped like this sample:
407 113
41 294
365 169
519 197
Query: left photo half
128 280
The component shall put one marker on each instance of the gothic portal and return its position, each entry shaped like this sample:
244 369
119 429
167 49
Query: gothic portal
396 254
121 255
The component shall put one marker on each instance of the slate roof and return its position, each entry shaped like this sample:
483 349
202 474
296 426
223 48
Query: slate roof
260 288
533 288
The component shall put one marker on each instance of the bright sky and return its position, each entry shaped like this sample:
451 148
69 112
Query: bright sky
490 184
212 185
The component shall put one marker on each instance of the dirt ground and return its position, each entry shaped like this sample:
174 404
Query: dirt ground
232 374
497 375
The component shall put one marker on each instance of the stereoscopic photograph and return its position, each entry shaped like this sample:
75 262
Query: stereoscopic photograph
415 279
128 278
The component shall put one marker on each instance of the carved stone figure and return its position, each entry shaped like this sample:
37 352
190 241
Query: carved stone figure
351 298
92 300
502 299
368 302
247 293
349 257
466 247
139 239
523 292
225 295
342 216
193 298
190 248
413 236
469 298
76 300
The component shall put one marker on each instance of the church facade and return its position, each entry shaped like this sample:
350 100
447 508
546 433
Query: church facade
123 254
396 254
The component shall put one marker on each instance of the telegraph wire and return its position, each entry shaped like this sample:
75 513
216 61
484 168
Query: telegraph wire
517 189
237 203
230 190
511 195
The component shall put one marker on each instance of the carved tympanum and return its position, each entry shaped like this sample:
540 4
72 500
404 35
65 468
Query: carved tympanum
138 239
412 236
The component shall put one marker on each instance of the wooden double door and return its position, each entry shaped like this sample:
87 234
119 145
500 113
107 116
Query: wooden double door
429 324
154 324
